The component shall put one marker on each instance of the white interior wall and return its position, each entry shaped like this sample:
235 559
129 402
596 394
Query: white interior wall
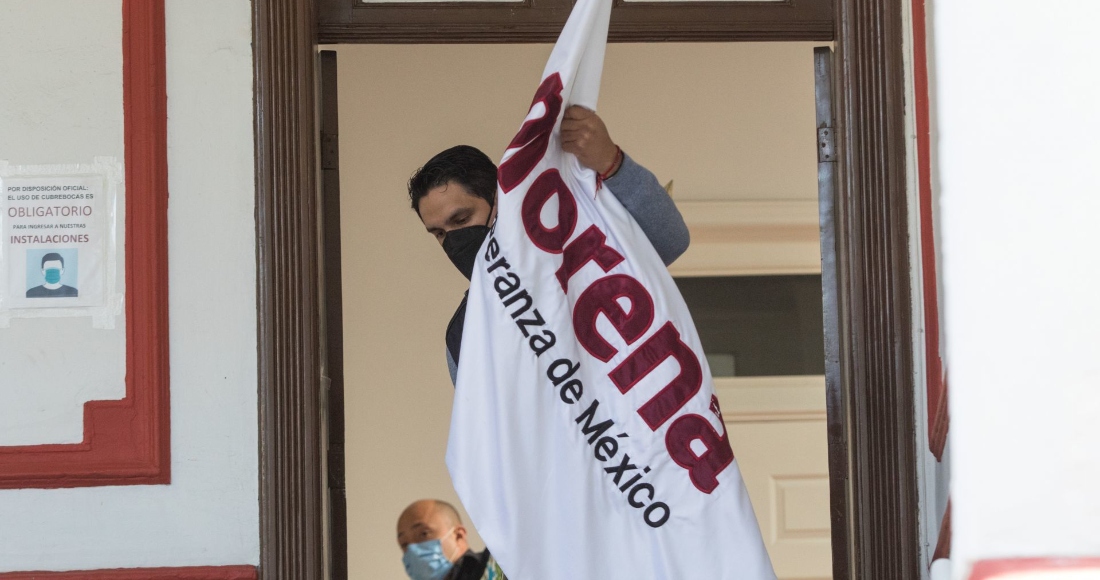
940 488
933 474
60 102
209 514
1019 138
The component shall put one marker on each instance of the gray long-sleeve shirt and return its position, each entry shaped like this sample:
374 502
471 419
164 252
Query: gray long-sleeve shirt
649 204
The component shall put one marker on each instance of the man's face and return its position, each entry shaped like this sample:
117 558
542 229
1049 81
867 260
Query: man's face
450 207
423 522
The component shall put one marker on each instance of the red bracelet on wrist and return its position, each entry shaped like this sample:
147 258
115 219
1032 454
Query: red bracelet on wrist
615 163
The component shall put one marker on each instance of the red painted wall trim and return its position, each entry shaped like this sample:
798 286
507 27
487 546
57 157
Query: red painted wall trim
943 542
991 569
126 442
197 573
937 380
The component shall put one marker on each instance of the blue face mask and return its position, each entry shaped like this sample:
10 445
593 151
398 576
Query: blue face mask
426 561
53 275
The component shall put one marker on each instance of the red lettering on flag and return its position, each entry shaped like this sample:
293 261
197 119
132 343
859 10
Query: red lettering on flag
664 344
544 188
602 297
533 137
704 468
590 246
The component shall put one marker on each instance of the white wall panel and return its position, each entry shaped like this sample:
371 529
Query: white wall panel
209 514
1017 95
60 103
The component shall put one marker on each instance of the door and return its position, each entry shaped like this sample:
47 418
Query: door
758 239
834 391
332 333
763 339
760 280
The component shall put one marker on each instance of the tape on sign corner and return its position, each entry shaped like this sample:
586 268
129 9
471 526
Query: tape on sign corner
102 321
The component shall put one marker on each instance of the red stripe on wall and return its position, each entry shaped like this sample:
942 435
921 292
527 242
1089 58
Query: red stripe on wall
936 378
943 541
993 569
126 442
193 573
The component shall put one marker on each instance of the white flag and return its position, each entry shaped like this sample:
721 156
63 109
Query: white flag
586 442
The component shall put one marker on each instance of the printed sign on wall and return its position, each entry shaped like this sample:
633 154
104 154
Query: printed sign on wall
58 246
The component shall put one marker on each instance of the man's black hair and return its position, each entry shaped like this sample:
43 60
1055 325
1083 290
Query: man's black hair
462 164
52 257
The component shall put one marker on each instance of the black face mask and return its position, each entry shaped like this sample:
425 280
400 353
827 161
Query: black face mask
461 247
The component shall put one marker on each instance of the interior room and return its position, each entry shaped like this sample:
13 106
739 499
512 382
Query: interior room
729 127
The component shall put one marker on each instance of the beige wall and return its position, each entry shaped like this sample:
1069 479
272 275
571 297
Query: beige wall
725 122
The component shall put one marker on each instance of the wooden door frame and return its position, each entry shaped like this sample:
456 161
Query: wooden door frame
872 460
287 291
527 21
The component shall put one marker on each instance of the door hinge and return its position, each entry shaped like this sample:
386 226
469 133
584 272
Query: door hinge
826 145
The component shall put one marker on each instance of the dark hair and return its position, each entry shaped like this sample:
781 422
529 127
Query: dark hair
462 164
52 257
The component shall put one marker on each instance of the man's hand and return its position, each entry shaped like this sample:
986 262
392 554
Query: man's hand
583 134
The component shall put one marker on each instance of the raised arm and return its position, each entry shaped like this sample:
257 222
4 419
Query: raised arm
585 135
650 205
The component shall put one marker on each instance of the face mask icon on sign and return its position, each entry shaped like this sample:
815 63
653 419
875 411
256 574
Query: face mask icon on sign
45 275
53 275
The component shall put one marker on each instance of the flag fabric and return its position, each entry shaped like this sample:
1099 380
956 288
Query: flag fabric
586 441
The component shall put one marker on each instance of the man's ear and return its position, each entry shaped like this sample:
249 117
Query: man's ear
460 533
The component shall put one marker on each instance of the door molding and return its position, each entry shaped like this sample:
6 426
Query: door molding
479 21
287 290
878 503
873 272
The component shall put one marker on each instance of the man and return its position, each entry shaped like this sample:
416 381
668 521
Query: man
431 534
454 194
53 267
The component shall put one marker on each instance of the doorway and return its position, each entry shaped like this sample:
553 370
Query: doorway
872 468
739 149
